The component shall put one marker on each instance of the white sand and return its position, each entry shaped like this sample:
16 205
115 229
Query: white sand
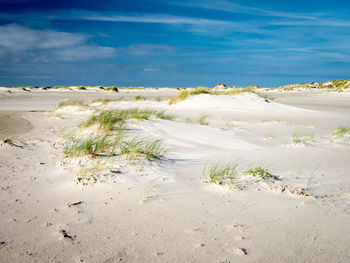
164 211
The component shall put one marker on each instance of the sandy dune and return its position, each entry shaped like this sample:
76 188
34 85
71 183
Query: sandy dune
165 210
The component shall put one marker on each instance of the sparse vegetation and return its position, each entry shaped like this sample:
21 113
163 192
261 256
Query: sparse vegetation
310 182
88 173
103 101
302 139
260 172
91 146
220 173
9 91
115 89
151 148
164 116
187 93
107 119
138 98
203 120
341 132
71 103
190 92
334 85
235 91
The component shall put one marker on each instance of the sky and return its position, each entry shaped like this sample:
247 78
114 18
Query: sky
177 43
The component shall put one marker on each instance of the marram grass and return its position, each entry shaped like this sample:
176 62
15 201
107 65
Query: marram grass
185 94
149 147
341 132
109 118
259 172
221 172
91 146
79 103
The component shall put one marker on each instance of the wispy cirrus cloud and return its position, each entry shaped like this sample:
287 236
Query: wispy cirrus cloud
231 7
198 25
284 18
152 18
146 49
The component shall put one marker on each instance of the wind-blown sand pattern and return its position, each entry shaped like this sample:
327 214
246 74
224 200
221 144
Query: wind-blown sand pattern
124 206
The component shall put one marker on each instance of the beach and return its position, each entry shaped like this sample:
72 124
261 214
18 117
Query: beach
131 206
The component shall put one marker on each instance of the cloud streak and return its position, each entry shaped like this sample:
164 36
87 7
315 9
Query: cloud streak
21 43
231 7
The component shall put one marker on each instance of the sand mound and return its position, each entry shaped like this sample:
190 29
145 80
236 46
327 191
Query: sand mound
243 102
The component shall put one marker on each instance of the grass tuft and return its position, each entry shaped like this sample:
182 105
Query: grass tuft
341 132
109 118
103 101
139 98
220 173
91 146
187 93
151 148
302 139
164 116
114 89
190 92
203 120
259 172
71 103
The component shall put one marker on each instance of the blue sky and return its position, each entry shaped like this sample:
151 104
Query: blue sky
173 43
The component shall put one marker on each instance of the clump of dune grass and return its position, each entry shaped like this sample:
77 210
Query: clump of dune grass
220 173
103 101
235 91
109 118
341 132
71 103
302 139
81 88
139 98
9 91
114 89
187 93
164 116
203 120
149 147
260 172
93 146
190 92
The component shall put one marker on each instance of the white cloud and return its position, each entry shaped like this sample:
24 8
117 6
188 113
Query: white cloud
47 45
